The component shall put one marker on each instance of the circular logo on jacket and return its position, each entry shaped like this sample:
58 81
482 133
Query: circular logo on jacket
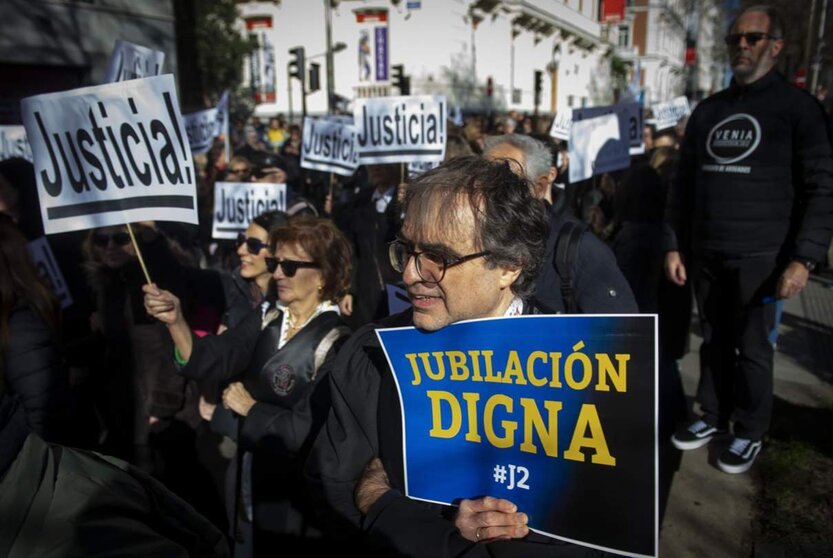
734 138
283 379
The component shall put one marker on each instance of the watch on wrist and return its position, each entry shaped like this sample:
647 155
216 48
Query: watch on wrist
809 264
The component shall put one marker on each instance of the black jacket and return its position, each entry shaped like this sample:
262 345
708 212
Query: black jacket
34 372
598 285
59 502
292 402
755 175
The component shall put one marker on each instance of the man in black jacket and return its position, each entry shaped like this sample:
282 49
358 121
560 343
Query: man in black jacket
459 260
594 283
753 200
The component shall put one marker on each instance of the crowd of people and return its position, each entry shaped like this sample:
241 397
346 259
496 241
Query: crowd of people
233 379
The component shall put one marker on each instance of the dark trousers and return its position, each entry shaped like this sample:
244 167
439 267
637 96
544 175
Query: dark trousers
737 312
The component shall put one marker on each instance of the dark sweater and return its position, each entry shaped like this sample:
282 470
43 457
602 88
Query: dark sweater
755 174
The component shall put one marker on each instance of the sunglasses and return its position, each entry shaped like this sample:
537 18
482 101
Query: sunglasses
289 267
119 239
253 245
752 38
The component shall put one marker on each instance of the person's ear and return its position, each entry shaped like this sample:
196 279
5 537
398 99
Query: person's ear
775 47
508 275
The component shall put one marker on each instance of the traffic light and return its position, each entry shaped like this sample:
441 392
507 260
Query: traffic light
539 76
314 77
397 73
400 80
296 64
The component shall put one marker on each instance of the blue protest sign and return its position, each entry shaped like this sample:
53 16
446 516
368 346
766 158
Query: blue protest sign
555 413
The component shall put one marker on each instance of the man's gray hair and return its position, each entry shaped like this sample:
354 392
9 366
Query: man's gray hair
538 156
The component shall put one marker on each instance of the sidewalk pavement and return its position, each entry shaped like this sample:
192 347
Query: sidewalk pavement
709 512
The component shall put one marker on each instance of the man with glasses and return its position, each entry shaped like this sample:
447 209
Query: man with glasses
471 246
752 205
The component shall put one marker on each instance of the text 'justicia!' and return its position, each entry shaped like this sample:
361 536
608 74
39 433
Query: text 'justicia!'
142 149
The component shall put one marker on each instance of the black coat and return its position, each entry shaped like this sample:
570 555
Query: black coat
59 501
34 372
598 285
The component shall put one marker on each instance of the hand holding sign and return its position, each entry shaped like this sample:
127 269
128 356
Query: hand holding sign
161 304
490 518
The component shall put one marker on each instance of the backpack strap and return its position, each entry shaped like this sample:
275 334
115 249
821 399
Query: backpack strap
566 253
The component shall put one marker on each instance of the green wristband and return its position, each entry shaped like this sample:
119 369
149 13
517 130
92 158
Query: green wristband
178 357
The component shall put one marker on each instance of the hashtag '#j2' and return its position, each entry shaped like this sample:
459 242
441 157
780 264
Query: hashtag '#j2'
499 475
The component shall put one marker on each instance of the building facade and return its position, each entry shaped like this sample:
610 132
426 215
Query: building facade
55 45
482 54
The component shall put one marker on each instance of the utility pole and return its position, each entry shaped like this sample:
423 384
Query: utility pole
289 91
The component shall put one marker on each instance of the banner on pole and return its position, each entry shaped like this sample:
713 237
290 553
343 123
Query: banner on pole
131 61
237 203
400 129
373 44
554 413
111 154
13 143
329 146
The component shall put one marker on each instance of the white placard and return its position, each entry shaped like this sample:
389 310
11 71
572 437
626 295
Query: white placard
111 154
329 146
205 125
596 146
400 129
49 271
630 119
131 61
561 125
343 119
237 203
416 169
666 115
13 143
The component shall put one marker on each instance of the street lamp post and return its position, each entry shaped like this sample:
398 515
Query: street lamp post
328 17
552 68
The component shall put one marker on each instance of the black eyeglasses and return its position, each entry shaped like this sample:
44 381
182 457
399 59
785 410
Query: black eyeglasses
289 267
430 265
119 239
253 245
752 38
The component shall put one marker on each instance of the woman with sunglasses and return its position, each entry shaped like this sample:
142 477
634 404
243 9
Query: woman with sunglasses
275 360
246 287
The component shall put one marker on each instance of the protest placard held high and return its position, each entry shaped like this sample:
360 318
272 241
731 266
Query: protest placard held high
111 154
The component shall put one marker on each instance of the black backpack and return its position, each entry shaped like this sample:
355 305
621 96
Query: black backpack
564 260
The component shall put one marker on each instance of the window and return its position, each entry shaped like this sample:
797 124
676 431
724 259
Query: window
624 36
570 100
